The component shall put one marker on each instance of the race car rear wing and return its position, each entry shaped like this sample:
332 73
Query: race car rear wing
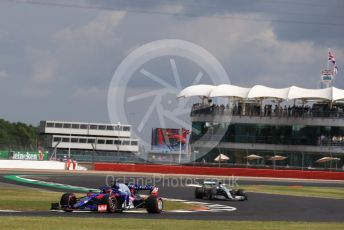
152 189
141 187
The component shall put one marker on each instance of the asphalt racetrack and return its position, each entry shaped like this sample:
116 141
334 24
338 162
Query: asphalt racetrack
263 207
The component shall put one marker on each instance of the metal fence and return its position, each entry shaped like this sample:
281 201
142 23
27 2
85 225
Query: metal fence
267 112
96 156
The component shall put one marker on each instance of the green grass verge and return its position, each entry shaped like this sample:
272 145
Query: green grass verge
31 199
309 191
173 205
38 223
27 199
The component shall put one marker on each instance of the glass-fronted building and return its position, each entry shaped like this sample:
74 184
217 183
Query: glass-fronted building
301 125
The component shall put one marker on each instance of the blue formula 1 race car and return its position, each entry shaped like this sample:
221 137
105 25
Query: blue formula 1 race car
118 198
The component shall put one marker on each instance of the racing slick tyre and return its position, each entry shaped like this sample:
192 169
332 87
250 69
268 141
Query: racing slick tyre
211 193
67 201
112 205
154 204
199 193
241 192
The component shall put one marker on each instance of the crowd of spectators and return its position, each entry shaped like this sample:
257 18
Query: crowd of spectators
253 109
328 140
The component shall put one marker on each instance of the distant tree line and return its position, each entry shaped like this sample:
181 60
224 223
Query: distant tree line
17 136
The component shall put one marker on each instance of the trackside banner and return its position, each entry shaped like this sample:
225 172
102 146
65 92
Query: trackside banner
17 155
3 154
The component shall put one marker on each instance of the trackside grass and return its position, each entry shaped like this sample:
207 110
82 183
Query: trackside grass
27 199
31 199
42 223
309 191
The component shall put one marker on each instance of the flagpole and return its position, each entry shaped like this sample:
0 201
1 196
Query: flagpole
328 65
327 84
180 145
328 59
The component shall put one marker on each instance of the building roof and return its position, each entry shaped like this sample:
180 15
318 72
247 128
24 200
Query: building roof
260 91
197 90
229 91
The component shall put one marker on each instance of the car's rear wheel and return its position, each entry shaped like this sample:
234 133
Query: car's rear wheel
199 193
154 204
112 204
211 193
67 201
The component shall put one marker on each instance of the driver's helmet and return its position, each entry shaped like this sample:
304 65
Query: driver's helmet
107 190
115 185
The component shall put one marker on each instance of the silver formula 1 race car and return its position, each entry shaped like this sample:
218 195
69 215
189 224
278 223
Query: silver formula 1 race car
216 190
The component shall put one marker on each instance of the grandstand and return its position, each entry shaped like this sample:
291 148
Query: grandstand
89 141
303 126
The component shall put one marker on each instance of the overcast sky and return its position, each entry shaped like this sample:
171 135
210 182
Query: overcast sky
57 61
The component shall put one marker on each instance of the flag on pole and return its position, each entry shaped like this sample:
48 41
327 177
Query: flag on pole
335 70
332 59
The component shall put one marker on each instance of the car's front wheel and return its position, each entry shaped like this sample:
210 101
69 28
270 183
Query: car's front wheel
67 201
242 193
154 204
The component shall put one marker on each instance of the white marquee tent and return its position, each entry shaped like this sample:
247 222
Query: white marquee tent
259 91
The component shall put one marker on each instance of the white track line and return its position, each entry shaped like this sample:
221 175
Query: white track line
9 211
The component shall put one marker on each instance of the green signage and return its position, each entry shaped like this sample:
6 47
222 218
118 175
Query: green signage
3 154
22 155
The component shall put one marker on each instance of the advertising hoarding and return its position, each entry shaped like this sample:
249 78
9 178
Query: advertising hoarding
169 140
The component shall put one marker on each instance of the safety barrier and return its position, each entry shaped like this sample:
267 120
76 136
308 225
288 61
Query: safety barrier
27 164
212 171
